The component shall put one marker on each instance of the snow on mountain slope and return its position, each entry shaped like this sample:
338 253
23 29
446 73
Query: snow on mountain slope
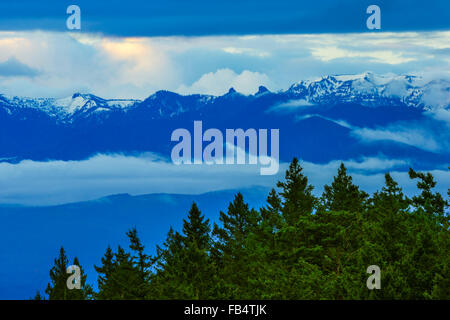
366 89
385 115
65 108
372 90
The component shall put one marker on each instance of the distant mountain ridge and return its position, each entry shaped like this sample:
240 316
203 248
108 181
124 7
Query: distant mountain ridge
368 89
87 228
312 116
67 108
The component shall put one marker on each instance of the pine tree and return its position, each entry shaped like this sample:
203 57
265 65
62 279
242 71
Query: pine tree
237 223
342 194
297 206
387 231
86 292
337 235
185 269
271 221
104 273
142 263
57 289
429 248
232 252
38 296
196 230
197 247
169 259
125 278
292 234
390 209
431 203
296 193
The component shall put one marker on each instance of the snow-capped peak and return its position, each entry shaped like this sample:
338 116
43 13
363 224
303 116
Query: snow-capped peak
372 89
66 108
75 102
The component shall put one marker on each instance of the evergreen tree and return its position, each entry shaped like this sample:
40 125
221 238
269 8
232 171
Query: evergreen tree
196 230
337 234
296 194
169 259
198 268
86 292
38 296
270 221
430 243
125 278
104 273
294 251
342 194
232 246
431 203
57 289
389 210
119 277
142 263
184 267
297 206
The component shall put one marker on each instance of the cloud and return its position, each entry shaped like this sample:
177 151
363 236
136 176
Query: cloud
219 82
417 134
291 105
342 123
55 182
135 67
440 114
437 95
247 51
33 182
413 137
380 56
371 164
319 175
14 68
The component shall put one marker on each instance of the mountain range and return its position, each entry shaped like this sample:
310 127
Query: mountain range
319 120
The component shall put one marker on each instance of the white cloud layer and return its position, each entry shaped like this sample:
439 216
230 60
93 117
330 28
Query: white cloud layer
136 67
219 82
56 182
290 106
411 133
413 137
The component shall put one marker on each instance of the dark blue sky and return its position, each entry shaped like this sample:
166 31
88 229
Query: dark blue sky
217 17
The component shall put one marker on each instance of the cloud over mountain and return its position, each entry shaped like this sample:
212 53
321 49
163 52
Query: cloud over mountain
120 67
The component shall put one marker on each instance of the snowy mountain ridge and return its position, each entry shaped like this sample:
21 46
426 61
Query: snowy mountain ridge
372 90
64 108
366 89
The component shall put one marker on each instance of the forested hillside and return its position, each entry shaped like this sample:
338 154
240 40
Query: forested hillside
298 246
